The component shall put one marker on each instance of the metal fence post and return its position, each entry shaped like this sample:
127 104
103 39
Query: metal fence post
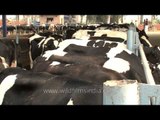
130 38
4 26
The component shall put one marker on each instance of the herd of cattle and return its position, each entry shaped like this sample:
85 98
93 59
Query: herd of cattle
71 71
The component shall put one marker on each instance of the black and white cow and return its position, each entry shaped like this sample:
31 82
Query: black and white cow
156 72
153 57
72 68
152 54
113 56
84 34
40 44
8 53
103 37
22 87
111 35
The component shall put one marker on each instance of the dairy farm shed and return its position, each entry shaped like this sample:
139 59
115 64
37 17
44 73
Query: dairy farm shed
105 64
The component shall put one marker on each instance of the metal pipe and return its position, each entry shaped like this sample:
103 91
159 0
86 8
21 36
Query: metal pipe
147 70
4 26
137 43
17 38
130 40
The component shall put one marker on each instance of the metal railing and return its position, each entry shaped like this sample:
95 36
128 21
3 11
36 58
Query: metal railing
130 92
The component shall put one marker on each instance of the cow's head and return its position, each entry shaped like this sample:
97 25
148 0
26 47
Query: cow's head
142 33
49 44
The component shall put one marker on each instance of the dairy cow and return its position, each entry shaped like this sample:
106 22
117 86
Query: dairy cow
112 56
40 44
8 54
22 87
